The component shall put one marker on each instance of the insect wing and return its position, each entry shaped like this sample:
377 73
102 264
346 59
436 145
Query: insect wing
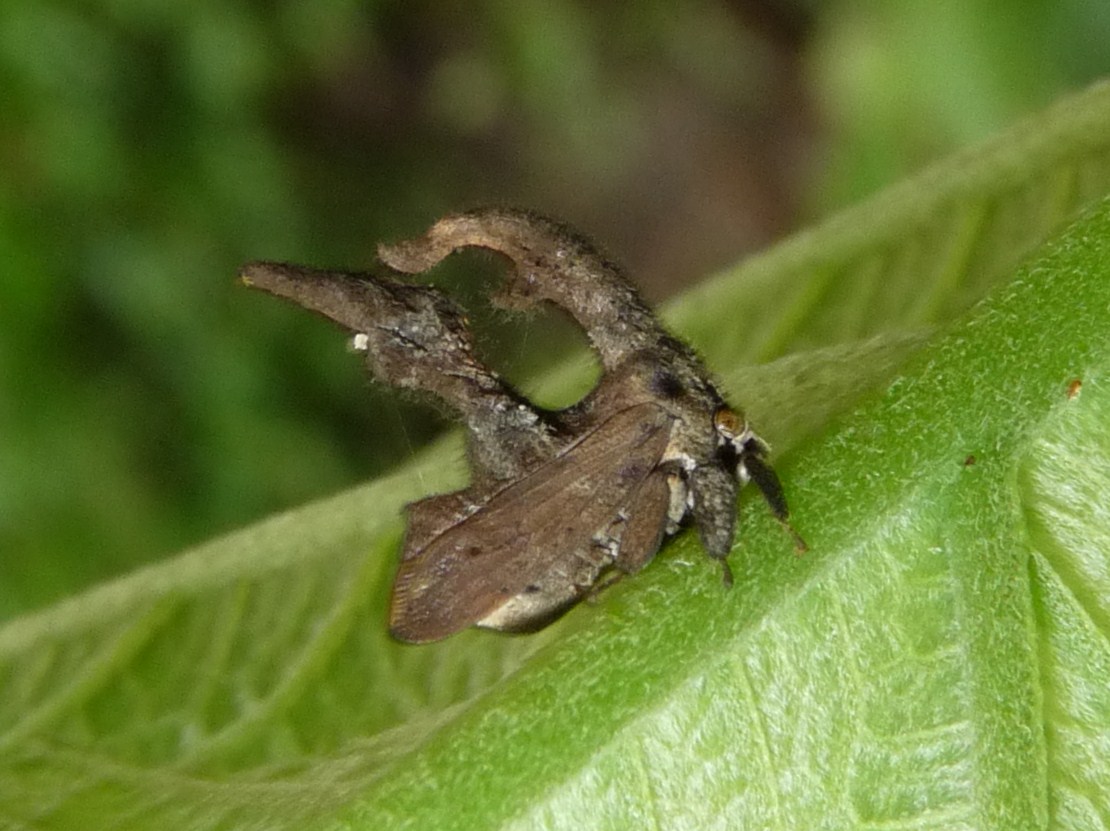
472 568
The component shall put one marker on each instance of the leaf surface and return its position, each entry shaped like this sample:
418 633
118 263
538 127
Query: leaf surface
938 659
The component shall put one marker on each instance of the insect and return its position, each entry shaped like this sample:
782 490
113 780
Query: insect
560 502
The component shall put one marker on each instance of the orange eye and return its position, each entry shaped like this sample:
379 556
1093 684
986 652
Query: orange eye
727 421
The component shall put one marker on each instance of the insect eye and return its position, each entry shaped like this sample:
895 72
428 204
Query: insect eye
728 422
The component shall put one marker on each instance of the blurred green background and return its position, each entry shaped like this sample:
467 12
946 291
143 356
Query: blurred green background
148 402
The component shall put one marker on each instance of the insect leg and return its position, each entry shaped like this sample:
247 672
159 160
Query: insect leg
414 337
765 478
550 263
714 509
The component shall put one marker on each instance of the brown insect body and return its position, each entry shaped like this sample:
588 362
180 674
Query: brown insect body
557 500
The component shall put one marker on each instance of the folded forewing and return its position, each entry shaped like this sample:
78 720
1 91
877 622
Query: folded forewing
464 573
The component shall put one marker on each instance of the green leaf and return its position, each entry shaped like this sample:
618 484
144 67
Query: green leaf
938 658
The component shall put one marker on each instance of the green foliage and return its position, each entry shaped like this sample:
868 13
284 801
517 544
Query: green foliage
147 149
938 658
